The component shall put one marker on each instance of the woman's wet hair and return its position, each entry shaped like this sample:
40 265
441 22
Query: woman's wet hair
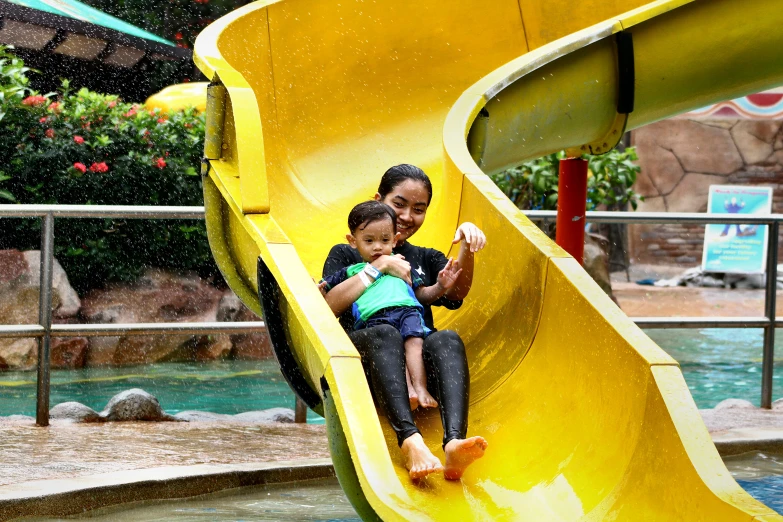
369 212
400 173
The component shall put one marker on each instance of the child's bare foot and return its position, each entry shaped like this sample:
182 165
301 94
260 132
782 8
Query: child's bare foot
412 396
460 453
418 458
425 399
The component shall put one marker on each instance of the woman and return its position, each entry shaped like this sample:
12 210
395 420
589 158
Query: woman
407 190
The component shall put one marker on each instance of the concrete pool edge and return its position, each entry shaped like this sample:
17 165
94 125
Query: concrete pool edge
62 497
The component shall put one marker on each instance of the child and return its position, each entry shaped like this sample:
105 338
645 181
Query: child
388 299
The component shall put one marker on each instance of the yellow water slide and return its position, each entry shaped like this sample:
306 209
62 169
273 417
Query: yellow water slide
312 100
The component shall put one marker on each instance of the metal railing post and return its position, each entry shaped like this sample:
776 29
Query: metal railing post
45 319
770 304
300 413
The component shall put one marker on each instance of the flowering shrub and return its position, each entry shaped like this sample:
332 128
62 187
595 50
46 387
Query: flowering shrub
88 148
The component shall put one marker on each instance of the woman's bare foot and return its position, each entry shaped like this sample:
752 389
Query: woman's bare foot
460 453
418 458
425 399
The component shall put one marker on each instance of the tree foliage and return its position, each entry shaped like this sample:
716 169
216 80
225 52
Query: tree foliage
533 185
88 148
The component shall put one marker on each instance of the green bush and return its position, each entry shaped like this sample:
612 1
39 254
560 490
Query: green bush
88 148
533 185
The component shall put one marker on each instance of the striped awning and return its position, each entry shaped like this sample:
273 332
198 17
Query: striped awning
71 28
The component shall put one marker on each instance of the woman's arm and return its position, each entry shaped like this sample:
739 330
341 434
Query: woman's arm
472 240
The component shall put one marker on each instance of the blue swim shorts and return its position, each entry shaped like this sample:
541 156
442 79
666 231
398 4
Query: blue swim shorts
406 319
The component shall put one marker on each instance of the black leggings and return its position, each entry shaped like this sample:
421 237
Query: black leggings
383 357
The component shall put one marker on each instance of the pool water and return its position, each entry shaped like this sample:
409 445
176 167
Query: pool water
322 500
761 475
228 387
717 364
723 363
309 501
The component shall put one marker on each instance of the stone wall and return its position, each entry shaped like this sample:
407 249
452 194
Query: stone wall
680 159
158 296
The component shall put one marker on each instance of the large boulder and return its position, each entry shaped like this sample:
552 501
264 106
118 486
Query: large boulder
157 297
74 412
19 290
134 405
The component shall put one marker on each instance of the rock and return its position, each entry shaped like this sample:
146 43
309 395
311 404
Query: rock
67 303
245 347
158 296
596 262
18 418
18 354
735 404
19 289
75 412
69 352
285 415
134 405
202 416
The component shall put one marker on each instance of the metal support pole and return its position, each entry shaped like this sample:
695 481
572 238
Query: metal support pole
300 413
770 303
45 319
571 206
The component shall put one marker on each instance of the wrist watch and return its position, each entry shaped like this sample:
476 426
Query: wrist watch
372 271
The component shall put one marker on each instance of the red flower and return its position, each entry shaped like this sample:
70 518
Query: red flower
160 163
178 36
99 167
161 120
112 104
78 139
34 100
130 113
42 120
55 107
49 133
81 167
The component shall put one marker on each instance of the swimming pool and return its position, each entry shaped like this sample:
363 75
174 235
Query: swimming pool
228 387
717 364
720 364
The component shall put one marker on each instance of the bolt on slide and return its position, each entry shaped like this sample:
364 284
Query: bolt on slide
311 101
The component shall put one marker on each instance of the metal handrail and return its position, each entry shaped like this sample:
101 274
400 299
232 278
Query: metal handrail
45 330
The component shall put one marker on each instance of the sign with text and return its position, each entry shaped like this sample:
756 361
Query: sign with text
736 248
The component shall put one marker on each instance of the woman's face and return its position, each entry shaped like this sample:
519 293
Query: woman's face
409 201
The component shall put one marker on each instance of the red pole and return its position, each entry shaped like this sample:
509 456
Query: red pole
571 206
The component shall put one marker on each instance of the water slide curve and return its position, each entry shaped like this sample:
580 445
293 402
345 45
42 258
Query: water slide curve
310 101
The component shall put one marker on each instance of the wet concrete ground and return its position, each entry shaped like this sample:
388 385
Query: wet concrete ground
69 450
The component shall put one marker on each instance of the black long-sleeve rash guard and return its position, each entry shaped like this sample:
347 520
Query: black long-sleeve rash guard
425 262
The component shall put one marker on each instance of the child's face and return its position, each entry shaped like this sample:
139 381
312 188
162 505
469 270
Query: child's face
373 240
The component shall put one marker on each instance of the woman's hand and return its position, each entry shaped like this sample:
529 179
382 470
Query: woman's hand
471 235
394 266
